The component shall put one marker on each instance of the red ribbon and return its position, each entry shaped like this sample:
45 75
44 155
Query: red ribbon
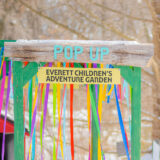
71 118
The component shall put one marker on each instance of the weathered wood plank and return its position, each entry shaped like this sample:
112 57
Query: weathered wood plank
120 52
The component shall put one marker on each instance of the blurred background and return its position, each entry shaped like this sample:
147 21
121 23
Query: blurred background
111 20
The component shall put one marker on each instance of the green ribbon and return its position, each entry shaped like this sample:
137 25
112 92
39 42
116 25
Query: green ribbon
54 117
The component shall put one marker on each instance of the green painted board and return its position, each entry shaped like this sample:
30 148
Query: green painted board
18 111
133 76
94 134
20 77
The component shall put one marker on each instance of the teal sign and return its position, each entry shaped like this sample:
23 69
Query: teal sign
71 52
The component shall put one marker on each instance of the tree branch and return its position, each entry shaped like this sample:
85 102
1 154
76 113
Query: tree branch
53 20
109 26
123 14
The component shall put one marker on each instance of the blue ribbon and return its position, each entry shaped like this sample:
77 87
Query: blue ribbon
64 121
121 124
1 54
109 86
33 144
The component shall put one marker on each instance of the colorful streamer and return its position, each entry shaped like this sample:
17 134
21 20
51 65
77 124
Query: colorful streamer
59 116
41 122
100 115
64 118
54 117
30 103
94 112
95 97
59 126
6 109
40 106
1 55
89 115
45 112
2 86
34 113
121 124
71 118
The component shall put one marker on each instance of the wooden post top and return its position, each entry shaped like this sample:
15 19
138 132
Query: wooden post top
128 53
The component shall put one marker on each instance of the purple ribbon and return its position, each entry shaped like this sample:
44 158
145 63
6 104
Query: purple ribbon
6 109
33 121
45 110
2 86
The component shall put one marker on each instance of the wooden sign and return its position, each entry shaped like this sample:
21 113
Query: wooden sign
102 52
78 75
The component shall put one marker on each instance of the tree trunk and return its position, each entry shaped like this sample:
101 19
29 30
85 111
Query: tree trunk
156 67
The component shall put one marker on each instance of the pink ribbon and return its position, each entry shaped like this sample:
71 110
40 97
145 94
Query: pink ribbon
2 86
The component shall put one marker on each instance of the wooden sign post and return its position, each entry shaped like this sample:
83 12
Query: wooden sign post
122 54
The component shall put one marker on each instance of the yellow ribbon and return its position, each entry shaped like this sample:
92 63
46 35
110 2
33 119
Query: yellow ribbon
110 91
1 65
34 104
58 103
89 111
100 115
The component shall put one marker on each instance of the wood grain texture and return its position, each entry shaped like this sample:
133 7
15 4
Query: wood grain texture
120 52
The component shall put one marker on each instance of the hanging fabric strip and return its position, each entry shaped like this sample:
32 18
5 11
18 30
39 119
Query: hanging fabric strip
96 91
34 113
90 66
71 117
24 116
126 93
2 86
45 111
100 115
121 124
11 85
64 124
1 55
41 122
24 105
59 126
89 115
100 152
94 111
30 104
6 109
64 118
40 106
127 99
33 144
109 85
2 65
120 94
54 118
33 108
29 86
59 110
104 92
110 91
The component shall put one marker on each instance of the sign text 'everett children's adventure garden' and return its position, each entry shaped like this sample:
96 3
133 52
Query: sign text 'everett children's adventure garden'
78 75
